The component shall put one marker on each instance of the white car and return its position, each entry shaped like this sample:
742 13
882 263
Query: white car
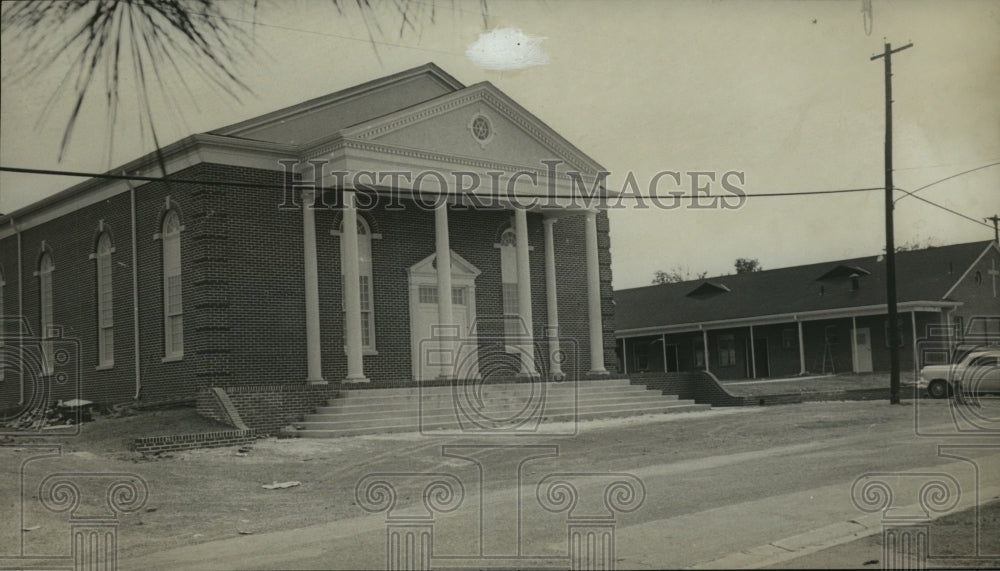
978 371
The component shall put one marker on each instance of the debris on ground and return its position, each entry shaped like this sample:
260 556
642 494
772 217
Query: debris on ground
281 485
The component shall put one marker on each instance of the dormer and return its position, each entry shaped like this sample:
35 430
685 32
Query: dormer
707 290
843 272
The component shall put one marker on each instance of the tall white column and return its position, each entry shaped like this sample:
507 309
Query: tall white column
753 355
916 351
594 296
802 351
551 301
314 368
524 292
352 292
446 320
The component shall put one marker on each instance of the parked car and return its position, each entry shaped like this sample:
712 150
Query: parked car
977 370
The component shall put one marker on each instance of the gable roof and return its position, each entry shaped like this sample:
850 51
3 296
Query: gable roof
317 118
926 275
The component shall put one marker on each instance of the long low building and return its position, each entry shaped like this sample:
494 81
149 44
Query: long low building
828 317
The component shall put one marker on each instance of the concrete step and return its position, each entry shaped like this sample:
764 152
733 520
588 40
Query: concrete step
445 426
350 406
446 389
333 421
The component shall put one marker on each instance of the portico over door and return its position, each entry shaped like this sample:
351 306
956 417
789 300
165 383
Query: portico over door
461 345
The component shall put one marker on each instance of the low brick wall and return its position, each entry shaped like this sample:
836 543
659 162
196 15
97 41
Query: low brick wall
696 386
266 408
218 439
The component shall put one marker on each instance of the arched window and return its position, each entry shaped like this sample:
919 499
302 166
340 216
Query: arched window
105 310
173 313
365 277
45 268
508 277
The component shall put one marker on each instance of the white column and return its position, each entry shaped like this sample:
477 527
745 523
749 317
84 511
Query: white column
551 301
753 356
524 292
854 344
352 292
916 353
704 346
314 368
802 352
594 296
446 320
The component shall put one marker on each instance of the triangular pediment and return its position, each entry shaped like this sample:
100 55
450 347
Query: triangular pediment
460 267
479 126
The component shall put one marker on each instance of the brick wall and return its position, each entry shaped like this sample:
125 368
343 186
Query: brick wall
697 386
242 280
219 439
269 407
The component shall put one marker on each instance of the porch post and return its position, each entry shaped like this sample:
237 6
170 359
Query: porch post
594 296
352 292
704 343
753 355
663 342
524 292
551 302
446 319
802 351
624 356
854 346
314 368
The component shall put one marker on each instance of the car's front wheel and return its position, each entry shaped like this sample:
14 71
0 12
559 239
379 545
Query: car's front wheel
938 389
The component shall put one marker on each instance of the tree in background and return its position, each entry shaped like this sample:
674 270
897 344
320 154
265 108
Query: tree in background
747 265
676 274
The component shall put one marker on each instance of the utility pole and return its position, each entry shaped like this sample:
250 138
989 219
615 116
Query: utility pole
996 231
890 246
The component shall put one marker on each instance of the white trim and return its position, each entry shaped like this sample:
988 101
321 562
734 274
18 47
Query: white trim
991 245
423 273
861 311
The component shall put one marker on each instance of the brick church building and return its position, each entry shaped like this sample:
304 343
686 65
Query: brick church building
388 234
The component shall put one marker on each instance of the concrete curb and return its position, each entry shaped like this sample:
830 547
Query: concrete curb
819 539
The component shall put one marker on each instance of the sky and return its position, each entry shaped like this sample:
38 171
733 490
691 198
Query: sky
783 92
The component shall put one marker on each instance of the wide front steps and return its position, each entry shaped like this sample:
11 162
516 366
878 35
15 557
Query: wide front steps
471 408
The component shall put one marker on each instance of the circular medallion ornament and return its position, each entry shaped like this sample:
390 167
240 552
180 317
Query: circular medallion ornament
481 129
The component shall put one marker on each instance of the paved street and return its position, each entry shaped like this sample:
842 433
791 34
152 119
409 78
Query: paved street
765 485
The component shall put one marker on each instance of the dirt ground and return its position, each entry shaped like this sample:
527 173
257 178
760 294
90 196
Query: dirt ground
206 495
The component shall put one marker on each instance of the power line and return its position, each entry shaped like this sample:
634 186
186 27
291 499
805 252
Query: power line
922 199
945 179
266 186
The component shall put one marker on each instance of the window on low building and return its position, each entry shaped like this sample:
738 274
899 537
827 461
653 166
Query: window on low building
900 331
788 339
727 350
